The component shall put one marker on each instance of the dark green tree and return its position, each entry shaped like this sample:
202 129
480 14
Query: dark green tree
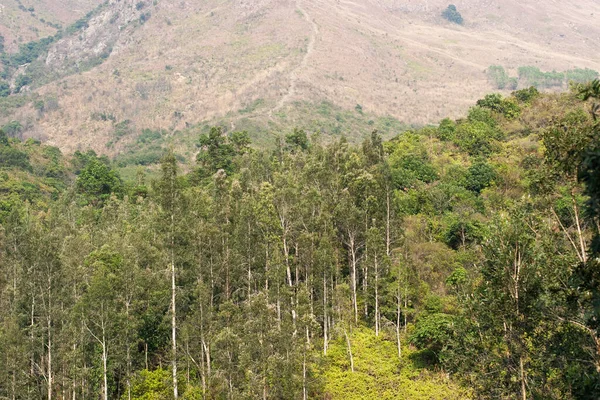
4 89
452 15
97 181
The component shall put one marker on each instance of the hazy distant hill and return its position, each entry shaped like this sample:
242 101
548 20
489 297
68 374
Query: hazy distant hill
24 20
324 64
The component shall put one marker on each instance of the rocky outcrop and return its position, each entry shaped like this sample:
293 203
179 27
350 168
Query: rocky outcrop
98 40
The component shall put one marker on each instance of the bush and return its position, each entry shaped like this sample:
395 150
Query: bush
462 233
4 89
148 135
148 156
533 76
123 128
29 52
526 95
477 138
479 176
413 168
13 128
11 157
446 129
297 140
432 333
21 81
480 114
452 14
495 102
97 181
151 385
579 75
497 75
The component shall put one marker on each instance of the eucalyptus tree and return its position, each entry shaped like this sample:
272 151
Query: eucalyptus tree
169 198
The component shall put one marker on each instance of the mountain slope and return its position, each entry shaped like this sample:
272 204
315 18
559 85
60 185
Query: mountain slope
246 64
22 21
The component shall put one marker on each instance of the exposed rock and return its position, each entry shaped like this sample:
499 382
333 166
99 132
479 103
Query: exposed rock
97 41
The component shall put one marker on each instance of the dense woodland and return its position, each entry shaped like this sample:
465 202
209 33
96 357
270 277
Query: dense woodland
467 252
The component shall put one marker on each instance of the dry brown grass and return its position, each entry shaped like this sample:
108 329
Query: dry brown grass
18 26
396 57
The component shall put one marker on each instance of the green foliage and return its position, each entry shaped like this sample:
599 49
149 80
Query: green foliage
461 233
123 128
147 156
11 157
297 140
413 168
83 22
12 128
480 114
4 89
580 75
149 136
452 15
533 76
431 261
151 385
526 95
590 90
252 107
446 129
495 102
477 138
432 333
3 138
479 176
21 81
379 373
144 17
217 151
28 52
566 142
97 181
498 76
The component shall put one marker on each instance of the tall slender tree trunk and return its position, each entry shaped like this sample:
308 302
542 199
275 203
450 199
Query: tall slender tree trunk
50 374
325 327
173 328
353 278
579 233
104 366
349 351
523 383
376 297
286 254
304 389
128 351
388 240
399 344
207 352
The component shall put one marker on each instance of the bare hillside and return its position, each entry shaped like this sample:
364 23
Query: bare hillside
267 62
24 20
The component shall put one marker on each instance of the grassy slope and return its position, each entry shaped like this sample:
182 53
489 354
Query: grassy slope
379 374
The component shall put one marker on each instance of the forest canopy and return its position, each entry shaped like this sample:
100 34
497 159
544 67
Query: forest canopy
455 261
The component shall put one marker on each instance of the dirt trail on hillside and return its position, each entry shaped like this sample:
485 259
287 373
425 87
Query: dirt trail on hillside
291 91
